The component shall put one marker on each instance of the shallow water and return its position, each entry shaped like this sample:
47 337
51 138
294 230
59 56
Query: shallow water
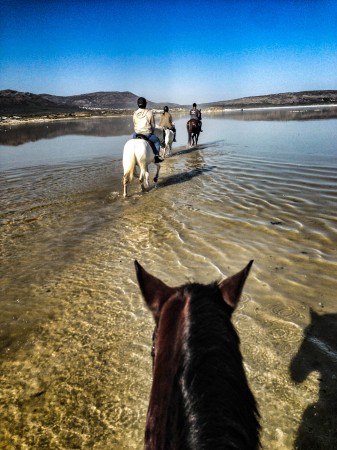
75 335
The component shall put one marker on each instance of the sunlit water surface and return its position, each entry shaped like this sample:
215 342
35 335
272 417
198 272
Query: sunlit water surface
75 335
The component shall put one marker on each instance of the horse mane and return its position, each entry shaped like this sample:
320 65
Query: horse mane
228 416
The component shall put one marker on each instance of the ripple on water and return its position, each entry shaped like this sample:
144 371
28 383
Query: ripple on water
286 312
80 374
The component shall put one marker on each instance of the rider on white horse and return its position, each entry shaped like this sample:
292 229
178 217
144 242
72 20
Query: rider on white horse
166 121
144 124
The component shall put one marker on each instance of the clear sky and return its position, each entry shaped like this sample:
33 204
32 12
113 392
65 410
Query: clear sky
174 51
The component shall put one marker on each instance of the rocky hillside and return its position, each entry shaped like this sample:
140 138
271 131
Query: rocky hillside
25 103
285 99
97 100
104 100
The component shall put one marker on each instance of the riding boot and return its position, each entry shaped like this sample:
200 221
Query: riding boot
157 159
174 137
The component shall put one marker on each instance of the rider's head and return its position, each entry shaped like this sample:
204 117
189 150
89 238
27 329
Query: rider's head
141 102
165 108
194 105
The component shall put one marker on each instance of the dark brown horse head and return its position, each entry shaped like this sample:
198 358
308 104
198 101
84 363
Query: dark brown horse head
200 396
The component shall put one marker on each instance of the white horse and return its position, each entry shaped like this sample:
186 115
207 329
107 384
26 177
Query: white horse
138 152
166 137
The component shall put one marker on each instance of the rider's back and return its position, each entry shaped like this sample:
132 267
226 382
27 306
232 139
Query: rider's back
195 114
166 120
142 120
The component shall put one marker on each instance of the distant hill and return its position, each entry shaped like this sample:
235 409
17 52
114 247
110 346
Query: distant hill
285 99
104 100
28 104
97 100
25 103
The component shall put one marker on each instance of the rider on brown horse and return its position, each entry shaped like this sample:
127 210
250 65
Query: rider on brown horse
196 114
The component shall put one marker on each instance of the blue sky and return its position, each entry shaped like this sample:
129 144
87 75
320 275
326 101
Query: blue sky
174 51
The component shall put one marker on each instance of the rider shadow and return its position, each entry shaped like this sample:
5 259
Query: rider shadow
318 352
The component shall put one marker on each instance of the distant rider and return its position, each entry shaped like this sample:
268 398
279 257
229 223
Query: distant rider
143 121
196 114
166 121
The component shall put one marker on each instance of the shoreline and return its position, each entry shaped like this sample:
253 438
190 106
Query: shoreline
14 120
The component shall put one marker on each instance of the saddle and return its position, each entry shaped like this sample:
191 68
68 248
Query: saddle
142 136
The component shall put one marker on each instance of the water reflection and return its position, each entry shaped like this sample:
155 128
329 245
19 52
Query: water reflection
121 126
318 352
279 114
103 127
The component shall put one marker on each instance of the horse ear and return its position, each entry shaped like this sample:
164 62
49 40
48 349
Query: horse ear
231 288
154 291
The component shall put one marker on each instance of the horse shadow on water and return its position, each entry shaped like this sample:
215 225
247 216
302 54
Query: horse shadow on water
185 176
200 398
318 352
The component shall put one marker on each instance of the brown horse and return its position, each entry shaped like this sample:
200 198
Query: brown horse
200 398
193 131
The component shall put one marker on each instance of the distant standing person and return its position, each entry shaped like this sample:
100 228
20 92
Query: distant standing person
143 122
196 114
166 121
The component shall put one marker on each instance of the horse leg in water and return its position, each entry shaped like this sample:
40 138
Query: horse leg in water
189 134
144 177
129 165
155 179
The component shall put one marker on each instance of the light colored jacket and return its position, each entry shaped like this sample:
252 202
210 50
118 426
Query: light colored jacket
143 121
165 120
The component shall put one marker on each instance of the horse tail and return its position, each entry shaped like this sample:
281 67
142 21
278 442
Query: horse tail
129 161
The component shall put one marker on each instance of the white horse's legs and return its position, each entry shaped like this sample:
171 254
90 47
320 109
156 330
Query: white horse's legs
143 177
147 178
